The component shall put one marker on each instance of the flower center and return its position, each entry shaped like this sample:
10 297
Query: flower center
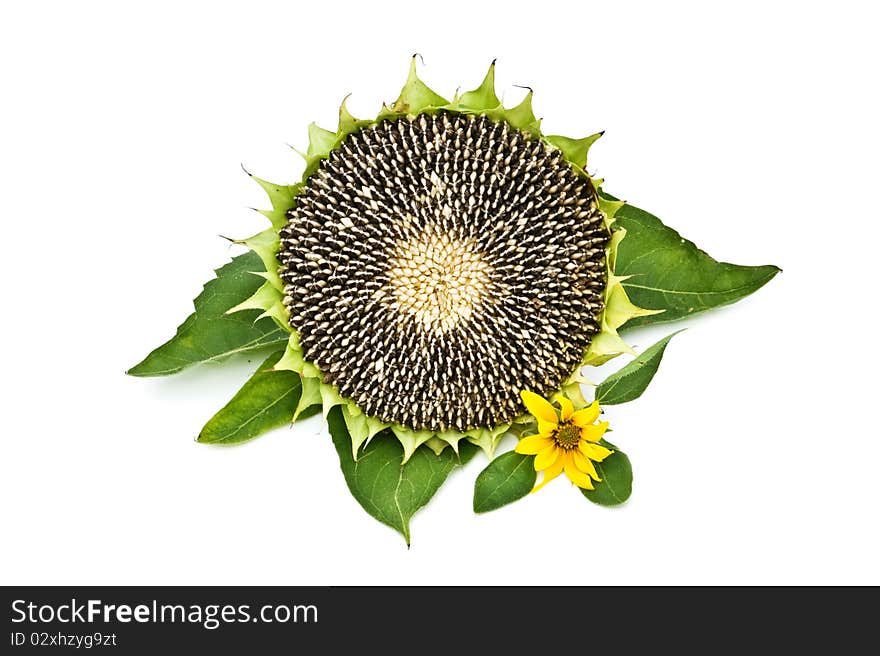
438 279
567 436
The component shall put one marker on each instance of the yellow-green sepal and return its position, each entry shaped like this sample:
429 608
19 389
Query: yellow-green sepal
265 245
608 344
605 346
522 117
329 398
348 123
262 299
267 299
278 214
487 438
361 427
480 99
321 142
437 445
574 150
357 428
311 395
609 208
292 360
416 96
573 392
410 439
441 441
282 197
618 308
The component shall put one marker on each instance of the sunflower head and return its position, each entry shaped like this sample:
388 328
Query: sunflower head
437 260
567 440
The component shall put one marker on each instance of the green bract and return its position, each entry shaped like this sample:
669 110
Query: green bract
643 273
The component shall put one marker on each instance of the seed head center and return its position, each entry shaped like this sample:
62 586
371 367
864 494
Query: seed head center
567 436
438 279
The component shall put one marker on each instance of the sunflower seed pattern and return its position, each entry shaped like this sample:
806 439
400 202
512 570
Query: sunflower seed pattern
435 266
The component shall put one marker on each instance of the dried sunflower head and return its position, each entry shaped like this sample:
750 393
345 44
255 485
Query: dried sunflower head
438 260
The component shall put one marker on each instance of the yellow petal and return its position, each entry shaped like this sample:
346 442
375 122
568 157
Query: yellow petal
595 432
595 452
539 406
586 416
583 463
567 407
533 444
550 473
546 457
576 476
546 428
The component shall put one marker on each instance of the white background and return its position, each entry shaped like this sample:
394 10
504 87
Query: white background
751 128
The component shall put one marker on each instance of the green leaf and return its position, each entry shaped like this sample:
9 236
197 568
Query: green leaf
209 334
617 478
466 452
267 400
387 490
508 477
671 273
630 381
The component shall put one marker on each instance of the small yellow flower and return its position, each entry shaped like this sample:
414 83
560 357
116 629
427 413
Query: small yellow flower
565 442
